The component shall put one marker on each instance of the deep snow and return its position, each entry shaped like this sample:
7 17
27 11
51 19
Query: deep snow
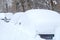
27 25
8 31
45 21
14 31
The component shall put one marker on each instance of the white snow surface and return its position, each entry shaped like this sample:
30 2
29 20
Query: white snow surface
9 15
45 21
14 31
27 25
16 17
57 34
2 15
21 17
6 16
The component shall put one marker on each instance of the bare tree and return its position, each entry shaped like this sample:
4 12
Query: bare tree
22 4
6 7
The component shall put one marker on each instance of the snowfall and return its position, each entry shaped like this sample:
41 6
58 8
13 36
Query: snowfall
27 25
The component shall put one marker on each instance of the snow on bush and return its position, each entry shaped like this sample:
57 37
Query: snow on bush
45 21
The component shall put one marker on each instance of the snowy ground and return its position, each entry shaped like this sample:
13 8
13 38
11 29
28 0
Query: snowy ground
2 15
27 25
15 31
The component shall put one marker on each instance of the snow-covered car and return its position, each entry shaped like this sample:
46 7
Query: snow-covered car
45 21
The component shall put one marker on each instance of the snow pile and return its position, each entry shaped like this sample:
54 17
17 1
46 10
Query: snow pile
45 21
